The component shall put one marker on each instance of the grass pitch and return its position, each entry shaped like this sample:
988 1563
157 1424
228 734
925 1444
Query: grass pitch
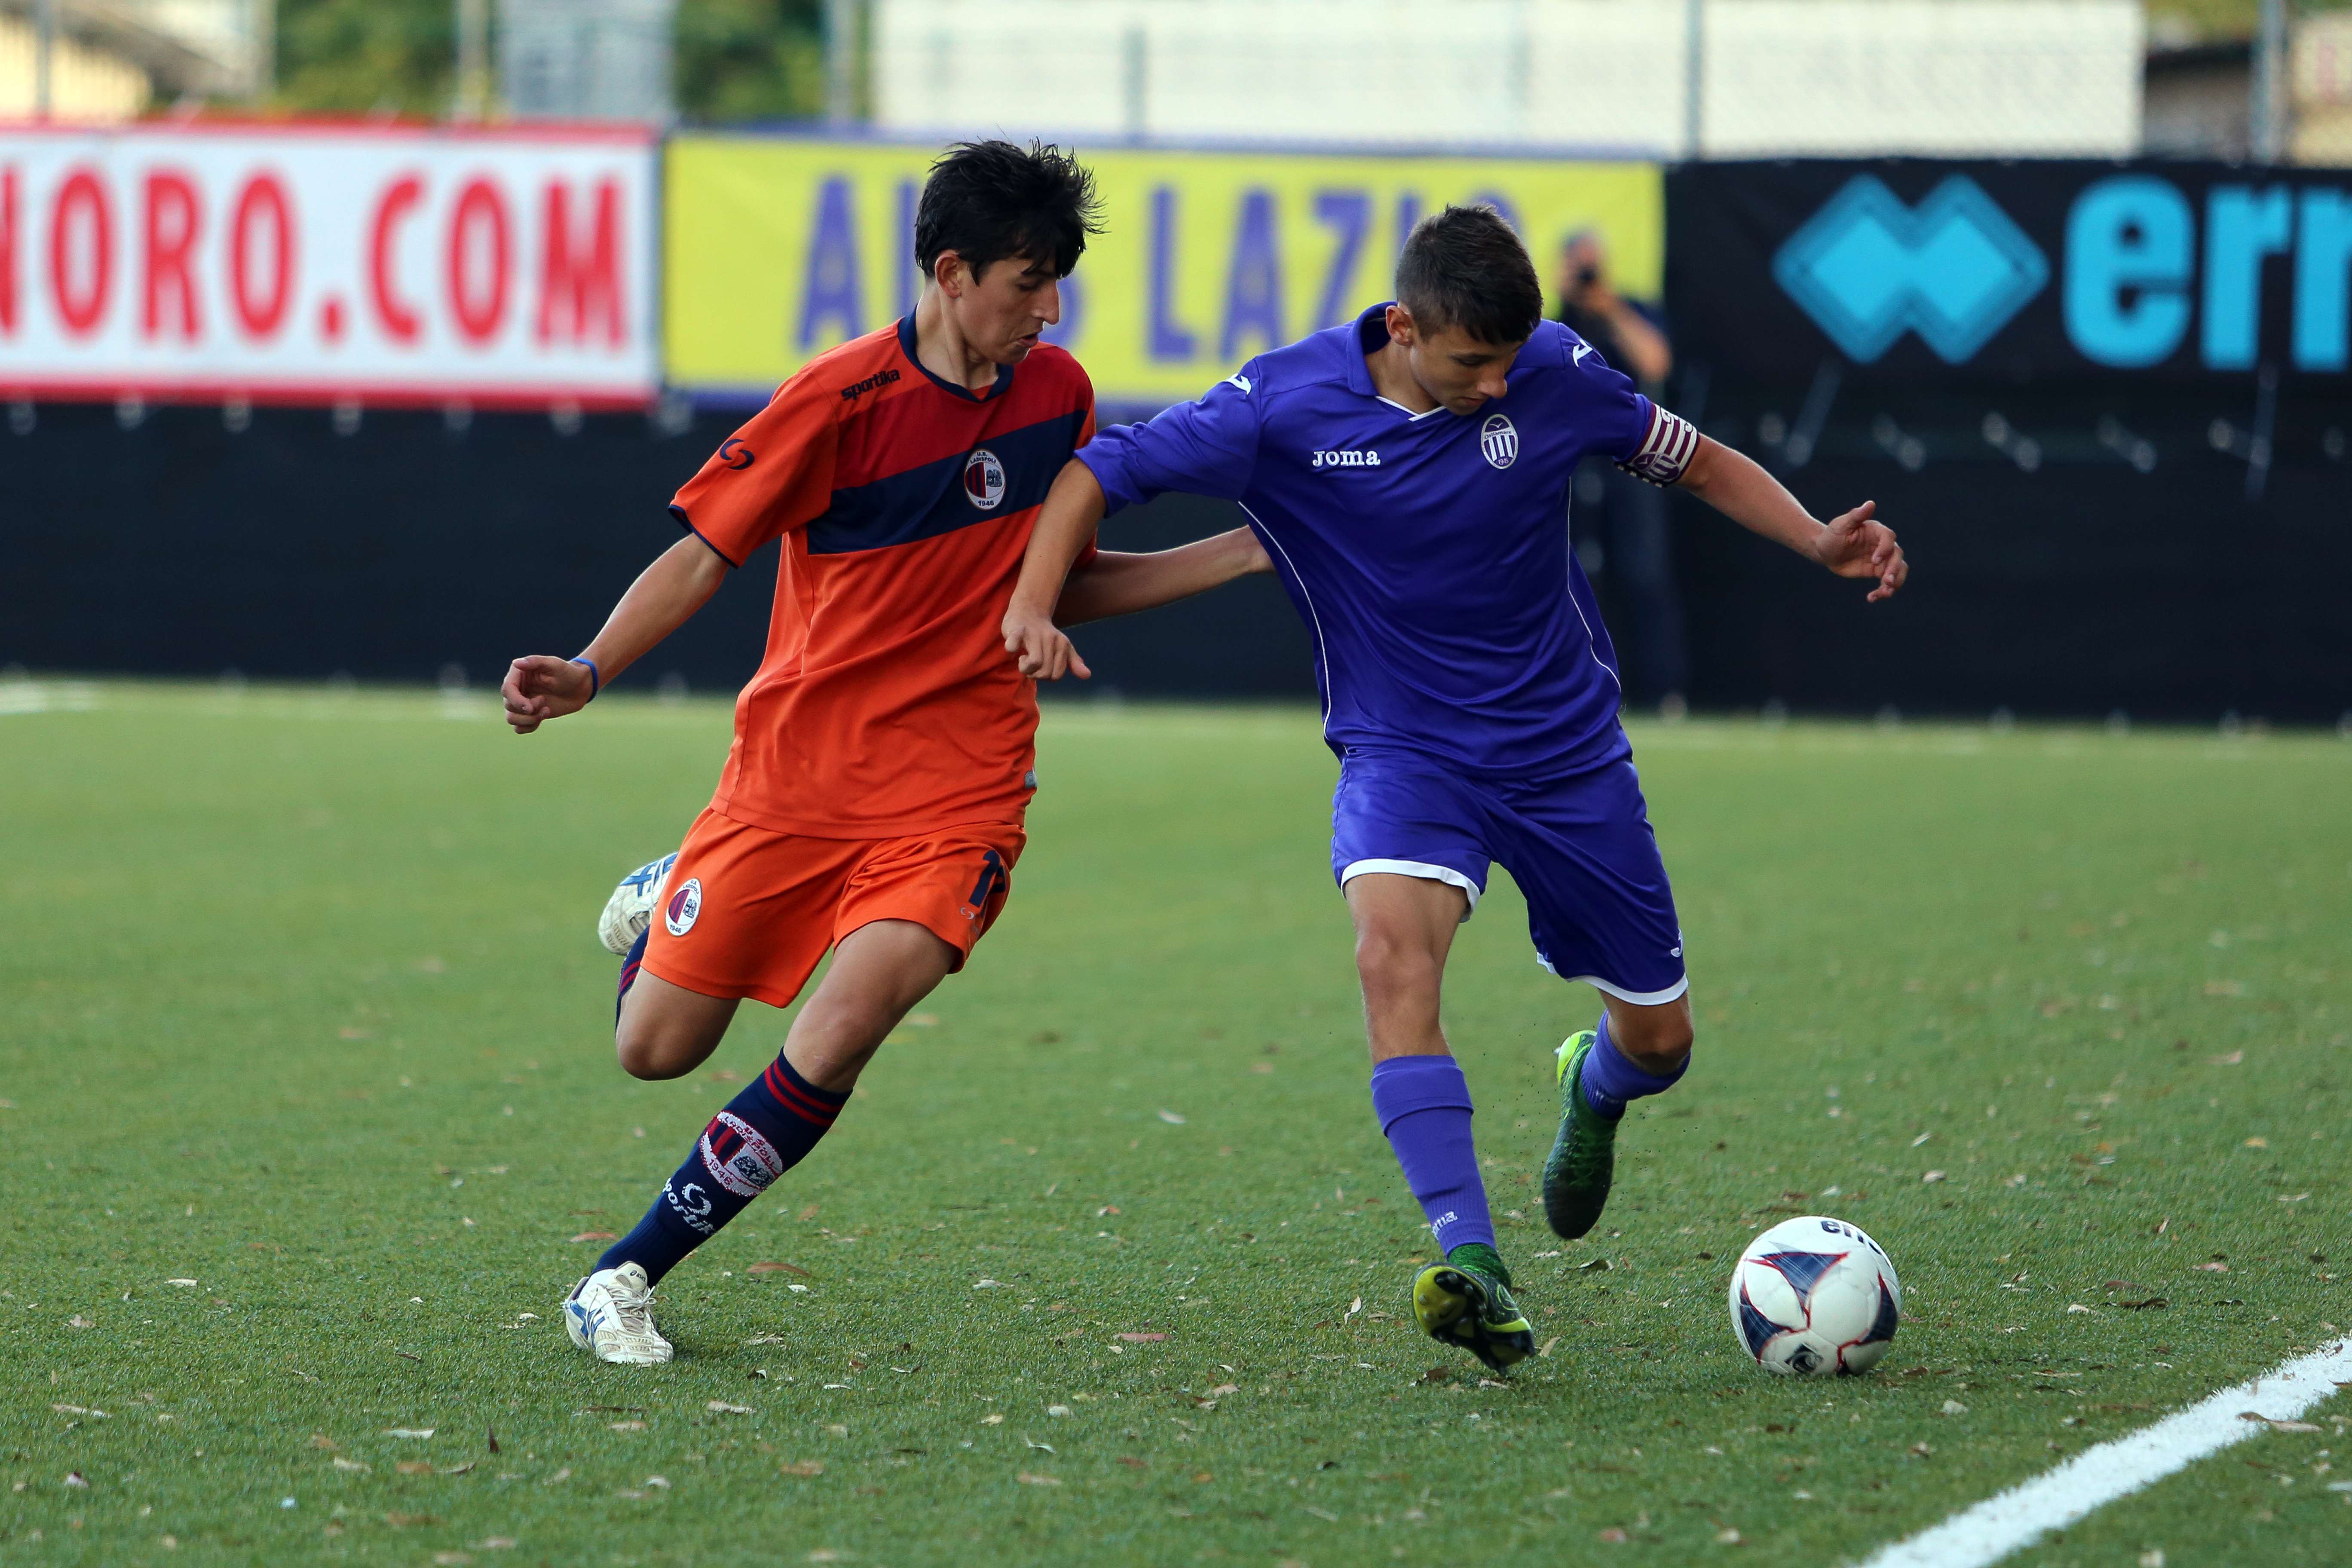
307 1098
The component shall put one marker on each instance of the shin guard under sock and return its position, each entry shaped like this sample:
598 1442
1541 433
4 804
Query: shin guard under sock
763 1131
1424 1104
1610 1081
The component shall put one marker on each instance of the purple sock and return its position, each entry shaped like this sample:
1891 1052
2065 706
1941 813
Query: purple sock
1424 1104
1610 1081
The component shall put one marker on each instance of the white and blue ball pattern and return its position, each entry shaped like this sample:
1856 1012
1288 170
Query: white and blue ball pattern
1815 1296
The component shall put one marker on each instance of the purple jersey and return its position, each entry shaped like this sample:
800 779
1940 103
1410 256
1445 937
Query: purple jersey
1427 553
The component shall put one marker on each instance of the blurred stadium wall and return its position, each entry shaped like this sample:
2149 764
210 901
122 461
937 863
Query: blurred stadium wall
396 399
1682 77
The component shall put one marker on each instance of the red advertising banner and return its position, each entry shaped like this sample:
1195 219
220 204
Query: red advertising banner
310 263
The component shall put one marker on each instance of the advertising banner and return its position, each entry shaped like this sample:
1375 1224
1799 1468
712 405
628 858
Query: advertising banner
776 249
308 263
2012 272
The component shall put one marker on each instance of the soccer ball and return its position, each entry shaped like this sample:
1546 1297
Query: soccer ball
1816 1296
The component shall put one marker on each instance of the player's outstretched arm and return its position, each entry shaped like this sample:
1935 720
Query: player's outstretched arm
1074 508
539 687
1120 583
1853 544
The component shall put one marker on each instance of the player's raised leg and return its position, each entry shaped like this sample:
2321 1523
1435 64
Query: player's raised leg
879 971
1636 1050
1600 910
1404 928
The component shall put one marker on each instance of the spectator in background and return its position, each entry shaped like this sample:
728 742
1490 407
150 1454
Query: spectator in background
1620 522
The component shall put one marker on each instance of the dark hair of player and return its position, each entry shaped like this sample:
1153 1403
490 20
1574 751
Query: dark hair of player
990 200
1466 267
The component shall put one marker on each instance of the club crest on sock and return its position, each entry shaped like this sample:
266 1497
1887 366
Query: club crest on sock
738 1158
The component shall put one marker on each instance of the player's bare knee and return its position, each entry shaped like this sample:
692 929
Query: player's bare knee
1391 968
650 1052
1654 1040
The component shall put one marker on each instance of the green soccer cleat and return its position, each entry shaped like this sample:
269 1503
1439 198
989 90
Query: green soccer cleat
1466 1301
1584 1156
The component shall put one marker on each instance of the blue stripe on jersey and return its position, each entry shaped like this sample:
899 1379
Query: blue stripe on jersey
941 497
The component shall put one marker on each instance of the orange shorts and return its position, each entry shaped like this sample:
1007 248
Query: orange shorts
748 912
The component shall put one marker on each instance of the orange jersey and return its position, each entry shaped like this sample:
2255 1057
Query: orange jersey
886 704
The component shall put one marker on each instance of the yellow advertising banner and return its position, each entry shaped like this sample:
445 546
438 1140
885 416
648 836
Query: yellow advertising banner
777 249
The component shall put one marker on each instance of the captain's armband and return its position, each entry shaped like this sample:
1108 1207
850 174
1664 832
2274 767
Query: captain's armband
1666 451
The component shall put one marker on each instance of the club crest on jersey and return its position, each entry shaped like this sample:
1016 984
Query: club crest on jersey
685 907
1499 441
983 480
1364 459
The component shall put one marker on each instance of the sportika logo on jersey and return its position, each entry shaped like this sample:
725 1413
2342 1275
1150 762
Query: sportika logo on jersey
1364 459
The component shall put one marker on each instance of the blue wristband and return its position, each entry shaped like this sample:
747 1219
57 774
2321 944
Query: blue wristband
595 677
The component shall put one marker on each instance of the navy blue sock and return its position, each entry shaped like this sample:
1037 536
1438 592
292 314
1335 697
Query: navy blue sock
764 1132
629 967
1610 1081
1424 1104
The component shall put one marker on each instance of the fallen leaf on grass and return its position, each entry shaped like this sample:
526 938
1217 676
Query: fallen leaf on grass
596 1235
766 1340
2152 1304
2216 1267
1141 1339
183 1284
562 1475
1932 1176
2276 1424
1614 1536
2232 1059
320 1440
344 1464
992 1420
1131 1462
408 1431
1046 1448
1546 1352
772 1267
1030 1479
79 1410
802 1468
414 1467
2258 1142
1593 1266
457 1470
627 1426
721 1407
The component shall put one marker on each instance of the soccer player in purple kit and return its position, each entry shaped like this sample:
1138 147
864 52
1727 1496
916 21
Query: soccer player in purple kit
1408 473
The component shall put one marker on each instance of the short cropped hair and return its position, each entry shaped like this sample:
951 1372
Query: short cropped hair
1466 267
987 201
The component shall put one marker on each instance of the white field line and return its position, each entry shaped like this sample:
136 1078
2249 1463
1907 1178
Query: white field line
2017 1517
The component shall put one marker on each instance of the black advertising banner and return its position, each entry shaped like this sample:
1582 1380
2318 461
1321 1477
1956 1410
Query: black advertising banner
1926 271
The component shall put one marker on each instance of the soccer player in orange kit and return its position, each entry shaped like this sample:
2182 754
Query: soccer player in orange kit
872 802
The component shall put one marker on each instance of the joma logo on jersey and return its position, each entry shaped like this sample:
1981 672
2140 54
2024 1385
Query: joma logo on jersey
1346 460
857 389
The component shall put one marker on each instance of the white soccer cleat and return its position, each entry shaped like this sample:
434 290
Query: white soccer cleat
631 907
609 1314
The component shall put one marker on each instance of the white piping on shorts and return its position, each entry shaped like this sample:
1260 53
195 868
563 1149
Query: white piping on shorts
1638 998
1421 869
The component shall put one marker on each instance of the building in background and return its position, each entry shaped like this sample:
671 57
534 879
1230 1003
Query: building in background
112 59
1753 79
2319 66
587 59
